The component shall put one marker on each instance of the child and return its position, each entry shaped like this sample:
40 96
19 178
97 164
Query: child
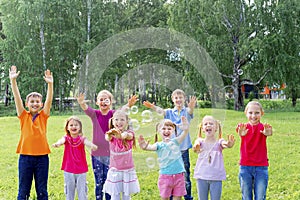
74 162
171 173
175 114
100 119
33 145
209 171
121 176
253 174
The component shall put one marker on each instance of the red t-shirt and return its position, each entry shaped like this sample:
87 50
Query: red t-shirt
253 149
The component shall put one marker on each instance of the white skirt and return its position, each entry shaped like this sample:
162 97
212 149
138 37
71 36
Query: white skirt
118 181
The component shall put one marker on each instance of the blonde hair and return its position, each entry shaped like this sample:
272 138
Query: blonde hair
34 94
108 93
256 103
75 118
111 126
178 92
218 124
164 122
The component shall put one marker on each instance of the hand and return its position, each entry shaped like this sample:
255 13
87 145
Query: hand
148 104
80 99
230 141
192 102
196 148
94 147
242 129
56 145
13 74
184 124
142 142
114 132
267 130
132 100
48 76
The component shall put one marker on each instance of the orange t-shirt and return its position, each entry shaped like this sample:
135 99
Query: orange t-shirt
33 139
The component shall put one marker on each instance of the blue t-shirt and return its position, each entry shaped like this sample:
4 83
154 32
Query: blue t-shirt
175 117
169 157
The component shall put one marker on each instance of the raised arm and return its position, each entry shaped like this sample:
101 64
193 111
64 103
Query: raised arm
192 104
229 143
13 75
59 142
48 102
157 109
185 127
145 145
82 102
131 101
90 144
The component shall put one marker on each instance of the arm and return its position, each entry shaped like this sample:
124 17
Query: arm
157 109
131 101
267 130
49 80
191 105
90 144
197 145
59 142
185 127
145 145
82 102
229 143
13 74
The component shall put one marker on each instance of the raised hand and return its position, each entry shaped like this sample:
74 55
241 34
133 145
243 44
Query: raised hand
13 74
142 142
242 129
184 124
80 99
192 102
230 141
148 104
132 100
48 76
267 130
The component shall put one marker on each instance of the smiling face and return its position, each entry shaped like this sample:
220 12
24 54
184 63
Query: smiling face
166 129
73 127
209 127
103 101
120 120
178 100
34 104
253 113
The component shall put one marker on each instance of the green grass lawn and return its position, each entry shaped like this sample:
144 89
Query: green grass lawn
283 149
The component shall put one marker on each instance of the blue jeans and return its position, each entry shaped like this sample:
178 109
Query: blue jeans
253 180
36 167
100 167
188 185
213 187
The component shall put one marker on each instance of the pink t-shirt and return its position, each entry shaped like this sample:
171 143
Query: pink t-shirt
120 156
74 160
210 162
253 149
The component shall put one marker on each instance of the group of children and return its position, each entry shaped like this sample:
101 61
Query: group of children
113 141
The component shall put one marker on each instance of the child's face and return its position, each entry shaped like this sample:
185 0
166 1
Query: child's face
178 100
120 121
254 113
209 127
34 104
166 132
74 128
103 101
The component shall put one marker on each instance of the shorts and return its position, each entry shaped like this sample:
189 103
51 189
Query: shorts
171 185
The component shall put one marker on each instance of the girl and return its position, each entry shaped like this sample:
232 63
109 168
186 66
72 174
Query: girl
171 179
253 174
209 171
74 161
100 119
121 177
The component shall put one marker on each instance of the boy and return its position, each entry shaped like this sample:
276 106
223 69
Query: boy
33 145
175 114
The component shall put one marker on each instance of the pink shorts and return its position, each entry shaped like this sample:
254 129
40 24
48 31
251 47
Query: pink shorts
171 185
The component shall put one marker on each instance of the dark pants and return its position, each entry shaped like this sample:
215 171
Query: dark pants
100 168
188 185
36 167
